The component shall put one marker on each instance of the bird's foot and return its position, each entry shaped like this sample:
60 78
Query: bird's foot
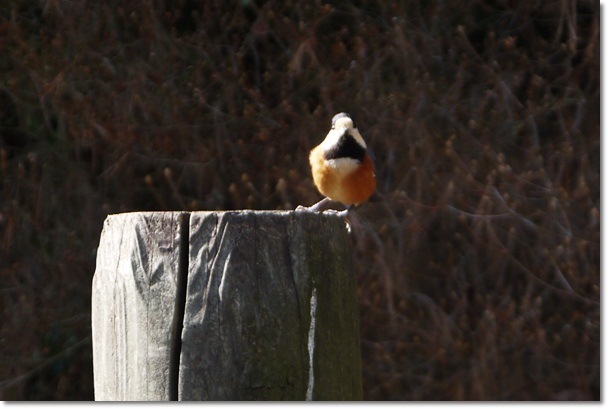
345 215
321 207
340 213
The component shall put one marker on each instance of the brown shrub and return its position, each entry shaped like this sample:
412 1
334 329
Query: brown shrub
478 258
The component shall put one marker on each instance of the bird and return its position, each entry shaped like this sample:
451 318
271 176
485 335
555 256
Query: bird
342 166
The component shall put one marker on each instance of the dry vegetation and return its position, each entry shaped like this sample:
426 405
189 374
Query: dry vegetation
478 260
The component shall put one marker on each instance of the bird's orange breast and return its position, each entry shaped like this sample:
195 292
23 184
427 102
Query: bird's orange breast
352 187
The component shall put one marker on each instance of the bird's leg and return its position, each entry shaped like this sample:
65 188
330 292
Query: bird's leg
320 205
317 207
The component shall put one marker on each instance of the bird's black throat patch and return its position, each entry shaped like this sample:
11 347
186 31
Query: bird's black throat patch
347 147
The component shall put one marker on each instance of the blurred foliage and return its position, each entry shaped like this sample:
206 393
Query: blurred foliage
478 259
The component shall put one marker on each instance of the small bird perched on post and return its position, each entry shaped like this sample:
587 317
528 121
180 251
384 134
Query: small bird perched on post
342 168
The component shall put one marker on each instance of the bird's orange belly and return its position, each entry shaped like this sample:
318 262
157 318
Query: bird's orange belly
352 187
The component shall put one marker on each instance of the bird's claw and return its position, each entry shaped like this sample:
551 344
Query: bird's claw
339 213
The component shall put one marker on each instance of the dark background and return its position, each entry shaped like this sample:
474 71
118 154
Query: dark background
477 261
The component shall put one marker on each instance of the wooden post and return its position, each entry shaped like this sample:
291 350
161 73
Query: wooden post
245 305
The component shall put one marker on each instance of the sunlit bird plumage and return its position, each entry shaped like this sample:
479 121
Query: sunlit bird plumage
342 169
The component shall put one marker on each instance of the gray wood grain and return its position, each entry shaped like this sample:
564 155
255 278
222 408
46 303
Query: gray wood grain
133 304
248 309
270 309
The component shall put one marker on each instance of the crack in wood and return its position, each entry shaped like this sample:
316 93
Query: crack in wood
180 305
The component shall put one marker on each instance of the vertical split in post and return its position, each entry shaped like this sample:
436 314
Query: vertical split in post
311 344
180 305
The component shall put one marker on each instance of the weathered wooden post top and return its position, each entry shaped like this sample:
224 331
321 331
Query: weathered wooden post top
243 305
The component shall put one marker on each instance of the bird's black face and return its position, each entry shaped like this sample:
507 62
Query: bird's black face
347 147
